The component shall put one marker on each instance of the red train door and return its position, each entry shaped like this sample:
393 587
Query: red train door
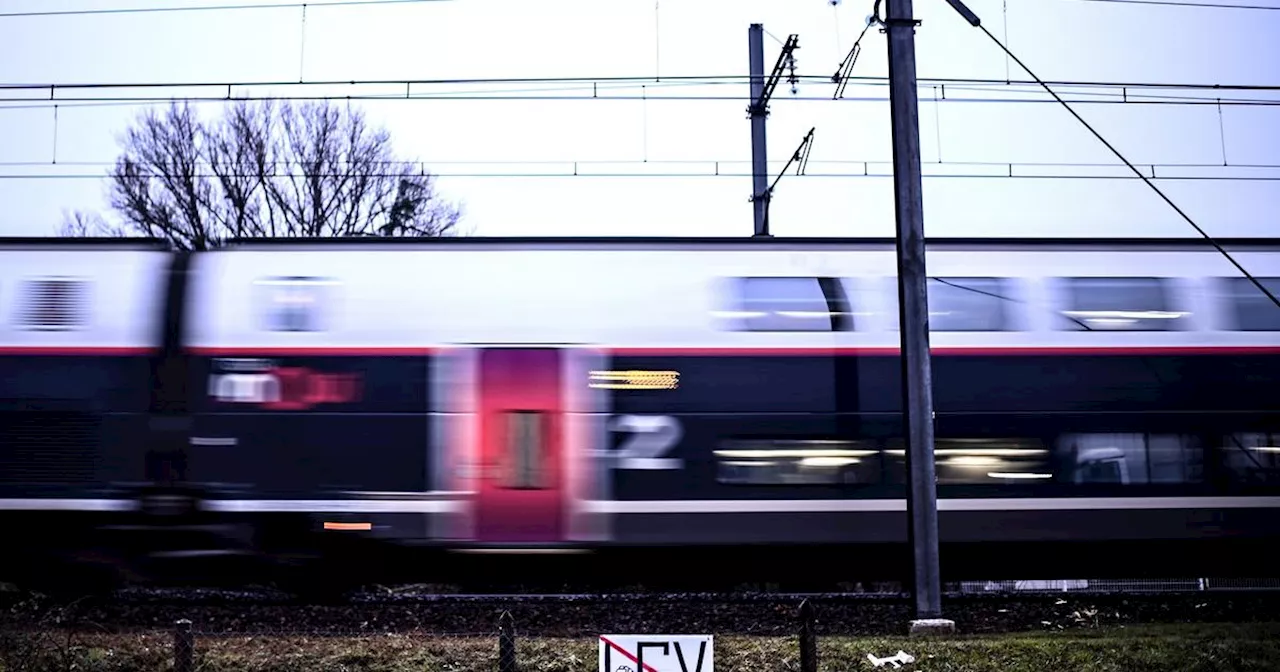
521 485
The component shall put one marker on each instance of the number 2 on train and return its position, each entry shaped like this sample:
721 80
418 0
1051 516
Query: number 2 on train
652 437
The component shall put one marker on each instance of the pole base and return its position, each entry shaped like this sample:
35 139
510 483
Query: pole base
932 627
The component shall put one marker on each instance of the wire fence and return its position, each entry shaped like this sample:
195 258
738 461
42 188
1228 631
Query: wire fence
188 648
185 646
508 634
1096 586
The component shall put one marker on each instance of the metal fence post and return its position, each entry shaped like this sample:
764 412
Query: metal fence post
506 643
183 647
808 643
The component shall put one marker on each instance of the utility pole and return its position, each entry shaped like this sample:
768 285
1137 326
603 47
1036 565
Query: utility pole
759 157
913 314
761 91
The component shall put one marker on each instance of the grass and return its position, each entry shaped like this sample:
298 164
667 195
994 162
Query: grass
1207 647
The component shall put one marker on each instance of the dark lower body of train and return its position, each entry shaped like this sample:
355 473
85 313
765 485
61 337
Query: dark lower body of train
634 465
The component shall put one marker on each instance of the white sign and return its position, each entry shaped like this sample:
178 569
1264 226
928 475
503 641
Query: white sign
656 653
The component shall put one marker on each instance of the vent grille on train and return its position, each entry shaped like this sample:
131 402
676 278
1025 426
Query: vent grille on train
48 448
54 304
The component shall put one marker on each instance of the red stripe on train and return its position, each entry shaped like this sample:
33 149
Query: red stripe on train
761 351
360 351
312 352
946 350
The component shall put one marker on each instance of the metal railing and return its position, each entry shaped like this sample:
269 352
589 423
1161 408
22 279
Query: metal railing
1112 586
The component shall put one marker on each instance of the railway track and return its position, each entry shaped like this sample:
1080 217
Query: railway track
853 592
427 608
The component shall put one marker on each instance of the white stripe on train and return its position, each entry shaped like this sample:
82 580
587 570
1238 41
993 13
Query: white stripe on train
892 505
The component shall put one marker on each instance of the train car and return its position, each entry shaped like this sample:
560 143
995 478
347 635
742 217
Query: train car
1103 408
81 346
1115 398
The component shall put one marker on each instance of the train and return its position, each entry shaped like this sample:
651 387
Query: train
1102 407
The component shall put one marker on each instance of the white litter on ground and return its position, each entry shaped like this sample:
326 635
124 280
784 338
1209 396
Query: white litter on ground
898 659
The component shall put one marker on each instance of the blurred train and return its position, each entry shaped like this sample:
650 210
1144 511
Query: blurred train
1103 407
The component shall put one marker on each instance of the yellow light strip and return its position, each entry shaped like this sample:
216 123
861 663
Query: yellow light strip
635 380
348 526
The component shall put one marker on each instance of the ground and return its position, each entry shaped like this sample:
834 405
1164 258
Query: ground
1163 648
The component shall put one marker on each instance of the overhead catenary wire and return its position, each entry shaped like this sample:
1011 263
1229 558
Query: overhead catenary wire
954 83
206 8
957 5
7 104
1193 4
543 94
541 88
28 103
1189 4
1004 166
1122 95
863 79
356 3
569 173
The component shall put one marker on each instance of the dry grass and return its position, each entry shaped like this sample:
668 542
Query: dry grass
1132 649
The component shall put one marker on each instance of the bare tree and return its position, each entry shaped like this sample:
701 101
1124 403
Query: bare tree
82 224
265 169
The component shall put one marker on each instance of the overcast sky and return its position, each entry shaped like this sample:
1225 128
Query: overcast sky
1067 40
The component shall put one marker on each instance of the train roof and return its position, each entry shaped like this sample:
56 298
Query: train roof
661 242
770 243
64 242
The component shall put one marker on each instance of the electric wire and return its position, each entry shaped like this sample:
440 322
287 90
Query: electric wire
356 3
1122 97
200 8
1195 5
5 105
1133 168
1150 101
645 79
570 173
1004 165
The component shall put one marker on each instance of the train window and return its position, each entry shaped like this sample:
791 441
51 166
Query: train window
1133 458
788 304
1119 304
1253 457
53 304
986 460
1175 459
1105 458
964 304
294 304
523 468
1250 309
796 462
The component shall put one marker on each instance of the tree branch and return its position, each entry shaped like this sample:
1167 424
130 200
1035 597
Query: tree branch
265 169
